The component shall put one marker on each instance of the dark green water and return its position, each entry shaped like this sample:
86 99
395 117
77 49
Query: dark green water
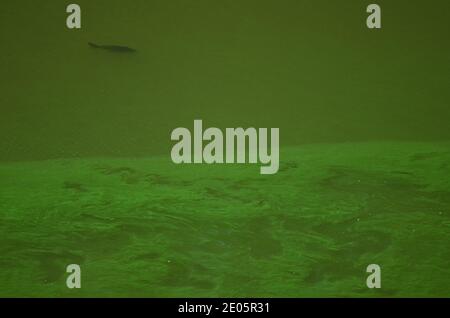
311 68
86 177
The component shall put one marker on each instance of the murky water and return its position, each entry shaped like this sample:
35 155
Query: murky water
86 177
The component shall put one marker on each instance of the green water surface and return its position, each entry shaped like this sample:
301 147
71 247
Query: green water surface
85 169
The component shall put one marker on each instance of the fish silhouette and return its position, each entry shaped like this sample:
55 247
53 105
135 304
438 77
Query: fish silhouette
112 48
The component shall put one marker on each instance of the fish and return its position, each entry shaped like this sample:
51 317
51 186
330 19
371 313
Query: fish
112 48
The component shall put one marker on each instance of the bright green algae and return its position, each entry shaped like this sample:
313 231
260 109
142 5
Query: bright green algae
147 227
